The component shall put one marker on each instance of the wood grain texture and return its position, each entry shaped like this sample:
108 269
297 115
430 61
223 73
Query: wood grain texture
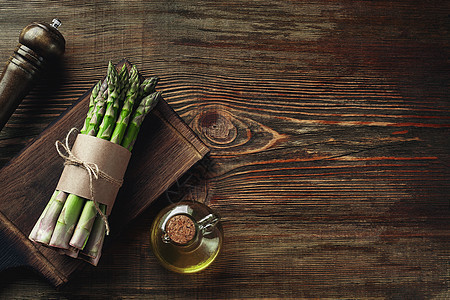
328 124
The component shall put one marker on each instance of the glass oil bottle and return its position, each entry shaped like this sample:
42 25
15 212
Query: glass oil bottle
186 237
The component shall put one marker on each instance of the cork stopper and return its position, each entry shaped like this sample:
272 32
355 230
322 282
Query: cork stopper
180 229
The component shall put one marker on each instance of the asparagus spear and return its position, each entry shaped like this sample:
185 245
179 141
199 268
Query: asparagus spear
112 106
100 106
65 225
95 242
92 101
124 78
43 228
124 117
84 225
147 86
142 110
87 217
35 230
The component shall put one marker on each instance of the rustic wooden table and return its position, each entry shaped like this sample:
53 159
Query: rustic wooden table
328 124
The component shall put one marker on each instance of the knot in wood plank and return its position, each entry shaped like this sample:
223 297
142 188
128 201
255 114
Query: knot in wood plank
217 127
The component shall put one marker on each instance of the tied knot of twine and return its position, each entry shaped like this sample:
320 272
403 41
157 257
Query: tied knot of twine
92 170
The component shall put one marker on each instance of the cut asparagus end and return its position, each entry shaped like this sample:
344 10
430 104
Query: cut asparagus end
84 226
95 241
47 224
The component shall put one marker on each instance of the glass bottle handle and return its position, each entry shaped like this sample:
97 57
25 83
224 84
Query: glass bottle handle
207 224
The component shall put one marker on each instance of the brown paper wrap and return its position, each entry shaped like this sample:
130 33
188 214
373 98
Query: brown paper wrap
110 158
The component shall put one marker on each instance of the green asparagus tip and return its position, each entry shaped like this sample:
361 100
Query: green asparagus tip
152 100
148 86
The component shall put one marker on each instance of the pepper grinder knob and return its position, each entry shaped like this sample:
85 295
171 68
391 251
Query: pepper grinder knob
39 43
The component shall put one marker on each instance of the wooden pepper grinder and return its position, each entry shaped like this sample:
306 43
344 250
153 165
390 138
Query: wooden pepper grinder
38 44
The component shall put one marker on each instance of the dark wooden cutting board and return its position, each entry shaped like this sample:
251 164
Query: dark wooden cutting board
166 148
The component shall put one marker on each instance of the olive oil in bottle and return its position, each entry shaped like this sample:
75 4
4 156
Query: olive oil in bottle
186 237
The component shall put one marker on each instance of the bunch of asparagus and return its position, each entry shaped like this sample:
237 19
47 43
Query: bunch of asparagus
117 108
